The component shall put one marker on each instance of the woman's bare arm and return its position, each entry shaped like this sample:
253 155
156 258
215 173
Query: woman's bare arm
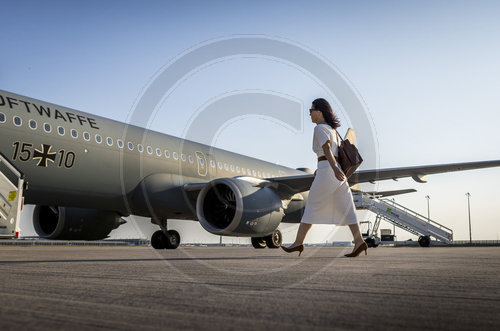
329 156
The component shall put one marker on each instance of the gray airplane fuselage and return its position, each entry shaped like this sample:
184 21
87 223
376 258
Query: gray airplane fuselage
86 166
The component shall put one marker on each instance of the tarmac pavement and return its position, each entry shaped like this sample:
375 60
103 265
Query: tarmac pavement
223 288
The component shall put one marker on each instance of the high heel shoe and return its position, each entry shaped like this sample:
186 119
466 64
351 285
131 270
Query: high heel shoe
299 248
357 251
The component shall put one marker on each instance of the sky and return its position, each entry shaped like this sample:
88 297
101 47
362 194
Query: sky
426 72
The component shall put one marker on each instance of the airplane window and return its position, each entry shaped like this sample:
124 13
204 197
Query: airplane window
202 162
167 154
232 168
2 118
130 146
150 150
98 139
74 133
119 142
109 141
238 169
212 163
220 165
226 166
140 148
249 172
243 171
254 173
183 157
17 121
158 152
47 128
33 124
176 156
191 159
259 174
60 130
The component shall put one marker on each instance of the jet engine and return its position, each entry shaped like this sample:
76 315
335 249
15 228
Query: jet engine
74 223
239 207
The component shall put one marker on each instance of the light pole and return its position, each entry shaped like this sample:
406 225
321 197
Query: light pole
468 207
428 208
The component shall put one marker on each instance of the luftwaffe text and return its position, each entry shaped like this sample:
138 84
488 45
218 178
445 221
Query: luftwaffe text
47 111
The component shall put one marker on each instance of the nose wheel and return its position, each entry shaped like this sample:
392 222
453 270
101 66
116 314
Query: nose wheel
165 239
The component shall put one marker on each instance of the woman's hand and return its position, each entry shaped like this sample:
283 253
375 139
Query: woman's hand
338 173
335 166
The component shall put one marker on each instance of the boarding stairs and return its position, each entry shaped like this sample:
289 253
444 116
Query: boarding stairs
11 198
403 217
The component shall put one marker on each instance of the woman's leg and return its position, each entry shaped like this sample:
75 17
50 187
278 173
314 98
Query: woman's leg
301 234
356 234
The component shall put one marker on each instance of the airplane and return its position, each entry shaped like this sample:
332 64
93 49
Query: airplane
84 173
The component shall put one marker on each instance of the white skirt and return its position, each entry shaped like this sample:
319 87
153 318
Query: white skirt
330 200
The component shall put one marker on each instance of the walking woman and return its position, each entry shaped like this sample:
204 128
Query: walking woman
330 198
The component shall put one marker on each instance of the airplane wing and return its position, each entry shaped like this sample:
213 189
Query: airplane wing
303 182
417 173
387 193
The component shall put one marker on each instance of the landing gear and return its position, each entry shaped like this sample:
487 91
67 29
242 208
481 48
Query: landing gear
424 241
159 240
173 239
165 239
258 242
372 241
272 241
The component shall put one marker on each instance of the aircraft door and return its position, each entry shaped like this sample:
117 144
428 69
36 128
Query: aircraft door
201 160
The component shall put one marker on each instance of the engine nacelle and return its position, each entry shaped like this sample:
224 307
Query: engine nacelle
74 223
239 207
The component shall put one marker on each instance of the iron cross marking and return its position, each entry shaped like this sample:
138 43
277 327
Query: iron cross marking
44 155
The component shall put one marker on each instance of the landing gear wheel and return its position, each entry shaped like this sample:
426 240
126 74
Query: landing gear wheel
258 242
274 240
372 241
173 239
159 240
424 241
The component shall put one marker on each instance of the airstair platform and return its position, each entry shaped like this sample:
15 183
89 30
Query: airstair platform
403 218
